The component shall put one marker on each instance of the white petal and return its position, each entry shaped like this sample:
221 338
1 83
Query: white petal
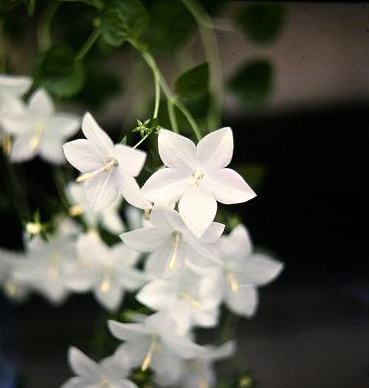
131 160
14 85
167 185
130 190
15 124
127 331
215 150
132 279
101 190
242 302
51 149
110 299
77 382
182 346
124 384
93 132
176 151
64 125
111 221
22 150
259 270
40 103
147 239
157 294
159 217
83 155
213 232
164 362
82 365
229 187
237 243
198 208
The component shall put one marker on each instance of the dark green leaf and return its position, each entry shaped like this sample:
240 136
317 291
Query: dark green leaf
94 3
194 81
171 25
253 83
261 23
31 7
122 20
58 71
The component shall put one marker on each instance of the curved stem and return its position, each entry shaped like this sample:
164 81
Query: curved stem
142 140
88 44
189 118
210 45
157 96
43 32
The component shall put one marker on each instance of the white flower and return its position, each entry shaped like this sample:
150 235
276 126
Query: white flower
197 177
107 374
242 271
13 86
108 271
172 242
109 218
38 129
187 296
154 343
199 371
107 169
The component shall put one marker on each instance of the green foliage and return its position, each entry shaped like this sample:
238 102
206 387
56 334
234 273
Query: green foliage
261 23
31 5
59 72
122 20
101 86
193 82
253 83
171 25
93 3
253 174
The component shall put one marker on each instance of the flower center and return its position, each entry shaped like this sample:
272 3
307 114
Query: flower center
197 176
104 383
108 164
106 278
177 238
153 346
188 298
231 279
39 129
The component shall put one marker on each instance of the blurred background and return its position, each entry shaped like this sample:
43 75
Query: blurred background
297 98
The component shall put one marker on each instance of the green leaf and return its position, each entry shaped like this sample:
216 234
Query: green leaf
122 20
194 81
253 83
171 25
253 173
59 72
93 3
261 23
31 4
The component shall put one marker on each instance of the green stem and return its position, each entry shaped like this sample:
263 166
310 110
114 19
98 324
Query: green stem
210 45
2 48
172 115
43 33
142 140
189 118
88 44
157 96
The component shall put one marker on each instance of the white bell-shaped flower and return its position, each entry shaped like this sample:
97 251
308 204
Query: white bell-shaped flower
107 169
172 242
108 373
38 129
107 271
197 177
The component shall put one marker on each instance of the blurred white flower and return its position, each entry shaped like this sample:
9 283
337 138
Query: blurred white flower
197 177
199 372
108 218
107 271
242 271
187 296
38 129
90 374
172 242
154 343
13 86
107 169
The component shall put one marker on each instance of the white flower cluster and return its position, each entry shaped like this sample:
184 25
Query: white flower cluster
189 267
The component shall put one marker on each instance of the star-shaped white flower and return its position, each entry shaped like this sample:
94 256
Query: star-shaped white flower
242 271
172 242
187 296
108 218
154 343
107 271
197 177
107 169
38 129
109 373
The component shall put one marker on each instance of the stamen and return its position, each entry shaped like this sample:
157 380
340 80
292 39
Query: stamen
197 176
147 214
177 237
232 281
147 360
188 298
76 210
53 270
7 144
106 280
10 288
36 138
109 162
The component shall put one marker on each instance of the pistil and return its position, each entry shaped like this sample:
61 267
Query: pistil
106 279
232 281
147 360
109 163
